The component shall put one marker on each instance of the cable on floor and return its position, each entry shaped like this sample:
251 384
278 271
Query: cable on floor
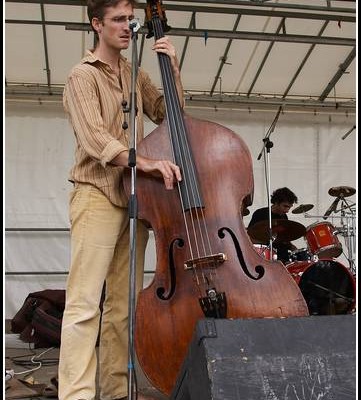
33 360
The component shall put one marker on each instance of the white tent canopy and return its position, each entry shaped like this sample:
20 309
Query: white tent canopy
293 52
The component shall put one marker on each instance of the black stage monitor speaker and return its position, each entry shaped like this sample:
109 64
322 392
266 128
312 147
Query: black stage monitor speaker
298 358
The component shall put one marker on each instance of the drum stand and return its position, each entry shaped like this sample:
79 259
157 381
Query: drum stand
348 231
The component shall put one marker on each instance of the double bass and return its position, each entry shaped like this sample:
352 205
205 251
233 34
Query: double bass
206 265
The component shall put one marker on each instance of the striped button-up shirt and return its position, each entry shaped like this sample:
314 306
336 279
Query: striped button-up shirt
93 97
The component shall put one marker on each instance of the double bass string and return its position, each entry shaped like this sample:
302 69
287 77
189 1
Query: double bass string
174 126
180 146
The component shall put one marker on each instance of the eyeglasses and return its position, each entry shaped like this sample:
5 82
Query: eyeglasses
121 20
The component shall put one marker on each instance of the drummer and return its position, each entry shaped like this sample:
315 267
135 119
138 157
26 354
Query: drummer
282 201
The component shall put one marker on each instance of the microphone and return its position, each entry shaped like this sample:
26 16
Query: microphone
332 208
134 25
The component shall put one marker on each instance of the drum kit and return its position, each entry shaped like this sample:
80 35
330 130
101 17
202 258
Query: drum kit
327 285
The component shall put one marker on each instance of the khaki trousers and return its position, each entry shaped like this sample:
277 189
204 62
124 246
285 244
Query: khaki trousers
100 249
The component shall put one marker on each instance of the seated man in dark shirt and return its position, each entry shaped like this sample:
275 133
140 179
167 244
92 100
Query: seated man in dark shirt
282 201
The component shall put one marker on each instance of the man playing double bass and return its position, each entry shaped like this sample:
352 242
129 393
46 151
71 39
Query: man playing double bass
93 96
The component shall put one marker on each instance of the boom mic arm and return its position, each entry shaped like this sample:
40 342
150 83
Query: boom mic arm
332 208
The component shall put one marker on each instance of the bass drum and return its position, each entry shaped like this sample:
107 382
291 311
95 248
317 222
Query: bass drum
328 287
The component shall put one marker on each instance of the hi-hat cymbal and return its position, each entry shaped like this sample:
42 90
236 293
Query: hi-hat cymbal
284 230
302 208
341 191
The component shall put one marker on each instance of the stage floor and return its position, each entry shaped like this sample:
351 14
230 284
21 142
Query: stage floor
18 357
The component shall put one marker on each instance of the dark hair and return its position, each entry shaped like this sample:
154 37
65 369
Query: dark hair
96 8
283 194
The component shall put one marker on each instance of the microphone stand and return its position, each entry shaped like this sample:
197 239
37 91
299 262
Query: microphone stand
266 148
133 213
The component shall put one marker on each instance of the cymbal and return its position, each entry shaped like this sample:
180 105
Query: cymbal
284 230
302 208
341 191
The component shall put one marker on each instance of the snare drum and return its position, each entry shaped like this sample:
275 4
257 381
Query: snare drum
322 240
328 287
265 251
301 255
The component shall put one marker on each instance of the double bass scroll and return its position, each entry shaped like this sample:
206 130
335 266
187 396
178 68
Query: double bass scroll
206 264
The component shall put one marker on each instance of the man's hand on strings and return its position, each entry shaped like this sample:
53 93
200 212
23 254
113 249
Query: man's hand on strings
162 168
165 46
